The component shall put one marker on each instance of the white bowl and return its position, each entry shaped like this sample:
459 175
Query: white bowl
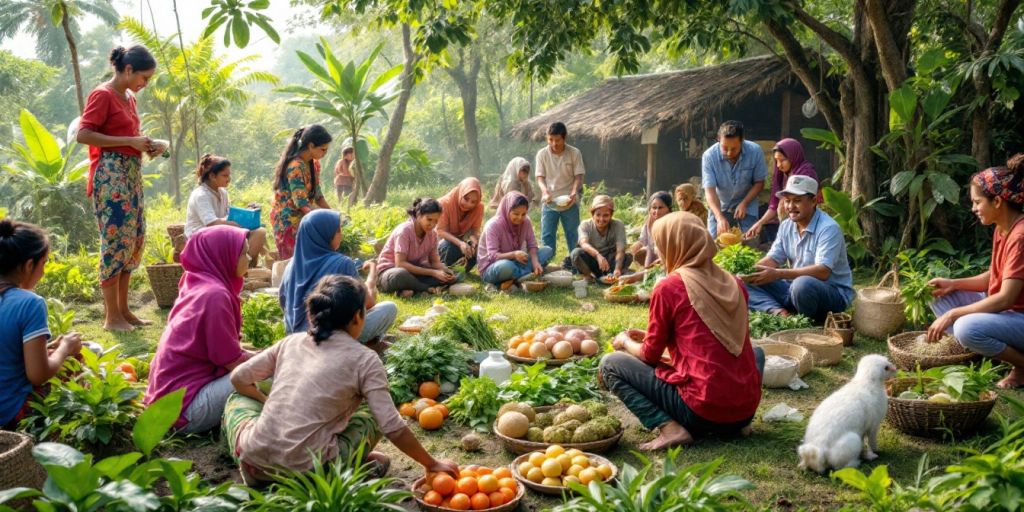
562 201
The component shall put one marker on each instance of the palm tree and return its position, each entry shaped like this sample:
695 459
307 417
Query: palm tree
347 93
52 21
178 112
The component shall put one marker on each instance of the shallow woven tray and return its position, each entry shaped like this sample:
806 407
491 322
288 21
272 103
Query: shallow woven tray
535 286
781 348
508 507
620 299
790 335
907 360
550 361
929 419
826 349
556 490
521 446
461 289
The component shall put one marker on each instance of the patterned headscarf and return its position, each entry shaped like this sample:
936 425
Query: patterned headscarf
1001 182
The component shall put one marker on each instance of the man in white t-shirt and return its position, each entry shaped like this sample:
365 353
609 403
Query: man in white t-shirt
559 177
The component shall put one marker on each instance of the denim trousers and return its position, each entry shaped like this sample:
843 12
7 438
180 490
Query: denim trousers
806 295
987 334
504 270
549 219
451 254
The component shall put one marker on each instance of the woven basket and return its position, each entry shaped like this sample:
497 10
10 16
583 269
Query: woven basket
521 446
620 299
841 325
790 335
19 469
163 279
177 234
549 361
556 490
878 310
826 349
780 378
781 348
929 419
908 360
507 507
535 286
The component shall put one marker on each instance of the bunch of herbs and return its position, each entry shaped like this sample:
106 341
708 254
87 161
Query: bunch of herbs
420 358
763 324
476 403
262 320
464 325
738 259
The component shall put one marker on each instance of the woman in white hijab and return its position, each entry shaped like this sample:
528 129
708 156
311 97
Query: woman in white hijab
516 178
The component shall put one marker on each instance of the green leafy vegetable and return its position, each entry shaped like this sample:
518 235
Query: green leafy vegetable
738 259
420 358
476 403
575 381
262 320
762 324
464 325
961 383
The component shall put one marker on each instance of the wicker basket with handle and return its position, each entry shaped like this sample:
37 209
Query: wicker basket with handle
879 310
841 325
163 279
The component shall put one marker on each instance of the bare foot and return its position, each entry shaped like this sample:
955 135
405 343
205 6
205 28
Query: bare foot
670 434
383 463
1013 380
781 312
118 326
746 431
435 290
507 284
406 294
134 320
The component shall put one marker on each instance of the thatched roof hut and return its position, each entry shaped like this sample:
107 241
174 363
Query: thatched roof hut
679 112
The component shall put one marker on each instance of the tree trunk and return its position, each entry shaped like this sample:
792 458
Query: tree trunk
379 187
466 80
497 96
981 133
65 22
358 181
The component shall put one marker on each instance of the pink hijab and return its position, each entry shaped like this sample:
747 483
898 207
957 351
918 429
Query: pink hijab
203 328
798 166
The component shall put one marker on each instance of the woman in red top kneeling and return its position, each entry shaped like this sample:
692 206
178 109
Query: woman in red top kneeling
695 372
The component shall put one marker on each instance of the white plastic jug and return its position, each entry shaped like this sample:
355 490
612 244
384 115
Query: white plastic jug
496 367
580 287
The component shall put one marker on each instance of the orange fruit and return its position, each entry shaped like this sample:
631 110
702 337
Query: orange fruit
523 350
502 472
510 494
487 484
432 498
459 501
431 418
480 501
467 485
430 389
497 499
482 470
126 368
407 410
443 483
466 472
507 483
444 410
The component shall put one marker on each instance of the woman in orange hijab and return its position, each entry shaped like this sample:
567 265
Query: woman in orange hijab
695 371
462 213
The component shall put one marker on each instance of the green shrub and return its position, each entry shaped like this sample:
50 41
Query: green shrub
71 277
262 320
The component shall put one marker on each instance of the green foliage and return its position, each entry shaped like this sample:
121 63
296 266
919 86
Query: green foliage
159 250
70 277
917 267
370 225
846 213
962 383
236 16
338 486
262 320
476 403
89 404
575 381
126 482
884 494
416 359
738 259
58 317
678 488
464 325
763 324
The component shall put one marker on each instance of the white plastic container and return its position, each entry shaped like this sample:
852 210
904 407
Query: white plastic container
496 367
580 287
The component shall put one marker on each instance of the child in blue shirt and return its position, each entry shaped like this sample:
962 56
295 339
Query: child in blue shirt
24 359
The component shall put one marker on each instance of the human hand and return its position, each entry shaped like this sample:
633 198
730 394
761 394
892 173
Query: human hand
70 344
142 144
521 256
941 286
740 212
545 197
617 274
467 249
723 224
764 275
369 265
537 269
939 326
443 466
602 263
573 197
753 232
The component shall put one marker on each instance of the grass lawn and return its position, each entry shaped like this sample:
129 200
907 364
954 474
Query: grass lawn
768 458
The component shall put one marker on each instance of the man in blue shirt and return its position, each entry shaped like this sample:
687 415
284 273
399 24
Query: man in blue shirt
732 174
818 279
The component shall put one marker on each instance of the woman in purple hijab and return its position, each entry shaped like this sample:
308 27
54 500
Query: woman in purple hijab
789 161
508 251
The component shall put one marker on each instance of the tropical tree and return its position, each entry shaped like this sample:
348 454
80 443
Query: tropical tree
349 95
174 108
50 22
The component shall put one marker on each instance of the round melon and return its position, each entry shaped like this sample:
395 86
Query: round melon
538 350
562 350
513 424
588 347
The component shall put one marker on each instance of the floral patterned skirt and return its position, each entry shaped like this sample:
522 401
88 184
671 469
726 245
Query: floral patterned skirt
117 199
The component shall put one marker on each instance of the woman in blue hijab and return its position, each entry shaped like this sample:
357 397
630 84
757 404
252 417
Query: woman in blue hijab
316 255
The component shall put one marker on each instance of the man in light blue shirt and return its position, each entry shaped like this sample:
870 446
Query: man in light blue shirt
732 174
819 279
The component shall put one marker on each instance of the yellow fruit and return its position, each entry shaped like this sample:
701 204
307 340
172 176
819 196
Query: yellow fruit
525 468
551 468
552 481
570 478
554 450
565 461
538 350
535 475
536 458
581 460
523 350
605 471
588 475
574 470
573 452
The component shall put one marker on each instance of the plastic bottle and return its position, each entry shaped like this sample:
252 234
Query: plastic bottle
580 287
496 367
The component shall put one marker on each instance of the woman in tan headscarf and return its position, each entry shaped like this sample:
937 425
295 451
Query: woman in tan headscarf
516 178
462 214
693 371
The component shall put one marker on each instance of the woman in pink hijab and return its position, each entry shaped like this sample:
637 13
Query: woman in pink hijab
789 161
508 251
200 346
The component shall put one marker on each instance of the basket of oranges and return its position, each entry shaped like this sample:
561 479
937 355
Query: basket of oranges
550 471
476 488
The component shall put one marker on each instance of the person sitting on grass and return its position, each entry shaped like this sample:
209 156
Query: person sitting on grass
409 262
695 372
330 394
659 205
200 345
508 252
819 279
316 255
602 242
686 198
462 215
208 203
986 312
24 359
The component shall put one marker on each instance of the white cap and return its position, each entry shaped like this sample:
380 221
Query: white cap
799 185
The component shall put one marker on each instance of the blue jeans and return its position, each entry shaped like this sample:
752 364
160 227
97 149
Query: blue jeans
504 270
379 319
745 224
806 295
549 218
987 334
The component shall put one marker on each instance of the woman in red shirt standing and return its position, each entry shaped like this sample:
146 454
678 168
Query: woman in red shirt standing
695 372
110 126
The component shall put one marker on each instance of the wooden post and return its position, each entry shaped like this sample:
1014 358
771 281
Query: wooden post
650 169
787 100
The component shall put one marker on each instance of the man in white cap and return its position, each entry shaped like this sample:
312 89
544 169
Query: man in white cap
811 243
